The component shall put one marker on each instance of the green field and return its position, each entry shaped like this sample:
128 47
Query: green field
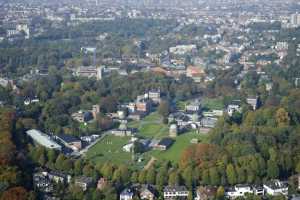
212 104
151 127
181 142
109 149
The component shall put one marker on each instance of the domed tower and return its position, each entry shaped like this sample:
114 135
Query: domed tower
173 131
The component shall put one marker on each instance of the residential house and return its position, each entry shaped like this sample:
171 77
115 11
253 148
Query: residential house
196 73
70 141
102 183
238 191
276 187
82 116
253 101
193 107
83 182
235 106
154 95
42 183
175 192
147 192
179 118
183 49
58 176
143 106
206 193
126 194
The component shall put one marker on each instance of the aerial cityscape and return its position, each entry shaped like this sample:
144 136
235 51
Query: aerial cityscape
149 100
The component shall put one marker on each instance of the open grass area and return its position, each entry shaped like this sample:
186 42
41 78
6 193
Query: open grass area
151 126
109 149
212 104
181 142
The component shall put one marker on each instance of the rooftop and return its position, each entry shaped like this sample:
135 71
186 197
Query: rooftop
43 139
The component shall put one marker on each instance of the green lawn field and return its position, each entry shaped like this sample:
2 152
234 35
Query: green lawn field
151 127
212 104
181 142
109 149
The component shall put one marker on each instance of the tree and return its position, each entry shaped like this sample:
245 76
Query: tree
298 167
214 176
107 171
78 165
231 174
282 117
272 169
164 108
205 177
151 176
188 177
15 193
134 177
143 176
220 193
174 178
59 163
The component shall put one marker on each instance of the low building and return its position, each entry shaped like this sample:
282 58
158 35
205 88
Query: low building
126 194
194 72
83 182
253 102
58 176
90 72
122 131
208 122
89 138
235 106
43 139
102 183
147 192
155 96
175 192
276 187
143 106
82 116
42 183
70 141
206 193
183 49
173 130
137 116
193 107
163 144
238 191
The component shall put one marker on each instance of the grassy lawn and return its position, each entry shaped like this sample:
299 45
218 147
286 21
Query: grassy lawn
212 104
151 126
181 142
110 149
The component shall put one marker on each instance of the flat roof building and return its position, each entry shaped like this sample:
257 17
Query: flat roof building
43 139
